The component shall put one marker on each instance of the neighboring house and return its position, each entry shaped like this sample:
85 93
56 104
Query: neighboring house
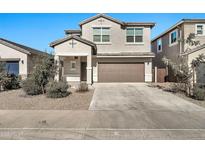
19 59
105 50
167 44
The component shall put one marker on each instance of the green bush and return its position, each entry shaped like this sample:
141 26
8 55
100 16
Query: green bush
199 92
82 87
43 71
11 81
56 89
30 87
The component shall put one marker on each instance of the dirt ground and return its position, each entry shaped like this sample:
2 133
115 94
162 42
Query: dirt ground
18 100
180 94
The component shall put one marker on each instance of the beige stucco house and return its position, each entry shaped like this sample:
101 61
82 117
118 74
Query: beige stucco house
19 58
168 44
105 50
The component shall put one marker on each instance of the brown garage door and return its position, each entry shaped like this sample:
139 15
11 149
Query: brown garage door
121 72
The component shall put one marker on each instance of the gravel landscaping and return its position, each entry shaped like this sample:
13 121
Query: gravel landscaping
179 94
18 100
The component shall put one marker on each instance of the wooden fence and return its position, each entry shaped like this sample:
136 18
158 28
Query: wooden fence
160 74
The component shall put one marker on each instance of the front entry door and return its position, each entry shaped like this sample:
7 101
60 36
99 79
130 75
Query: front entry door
83 71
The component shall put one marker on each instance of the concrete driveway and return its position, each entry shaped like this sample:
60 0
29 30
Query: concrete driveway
117 111
137 96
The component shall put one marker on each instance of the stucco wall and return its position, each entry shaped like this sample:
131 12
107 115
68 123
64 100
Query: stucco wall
6 52
77 49
117 37
95 69
190 28
195 54
200 72
69 74
171 52
32 61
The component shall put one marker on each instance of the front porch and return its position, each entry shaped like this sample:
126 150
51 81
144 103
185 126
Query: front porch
73 56
75 69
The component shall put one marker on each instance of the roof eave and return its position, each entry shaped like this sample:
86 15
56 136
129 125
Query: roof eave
14 47
53 44
140 24
177 24
171 28
98 16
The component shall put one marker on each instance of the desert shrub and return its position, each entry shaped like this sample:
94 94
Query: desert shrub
199 92
30 87
43 72
175 87
11 81
82 87
56 89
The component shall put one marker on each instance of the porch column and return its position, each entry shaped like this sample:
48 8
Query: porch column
57 60
89 69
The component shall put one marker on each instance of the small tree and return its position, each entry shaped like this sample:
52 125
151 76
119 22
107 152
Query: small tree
196 63
42 73
190 41
181 70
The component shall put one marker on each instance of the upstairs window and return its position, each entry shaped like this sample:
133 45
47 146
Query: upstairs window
173 37
159 45
101 34
199 29
134 35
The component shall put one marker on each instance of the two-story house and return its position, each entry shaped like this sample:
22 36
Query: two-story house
171 44
105 50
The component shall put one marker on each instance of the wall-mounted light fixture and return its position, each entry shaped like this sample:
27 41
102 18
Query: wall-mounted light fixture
22 61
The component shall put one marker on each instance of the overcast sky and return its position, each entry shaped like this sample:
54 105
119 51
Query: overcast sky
38 30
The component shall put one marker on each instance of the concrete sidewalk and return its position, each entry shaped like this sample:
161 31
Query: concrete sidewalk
58 124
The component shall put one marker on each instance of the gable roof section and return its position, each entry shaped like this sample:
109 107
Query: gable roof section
20 47
151 24
178 24
98 16
52 44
